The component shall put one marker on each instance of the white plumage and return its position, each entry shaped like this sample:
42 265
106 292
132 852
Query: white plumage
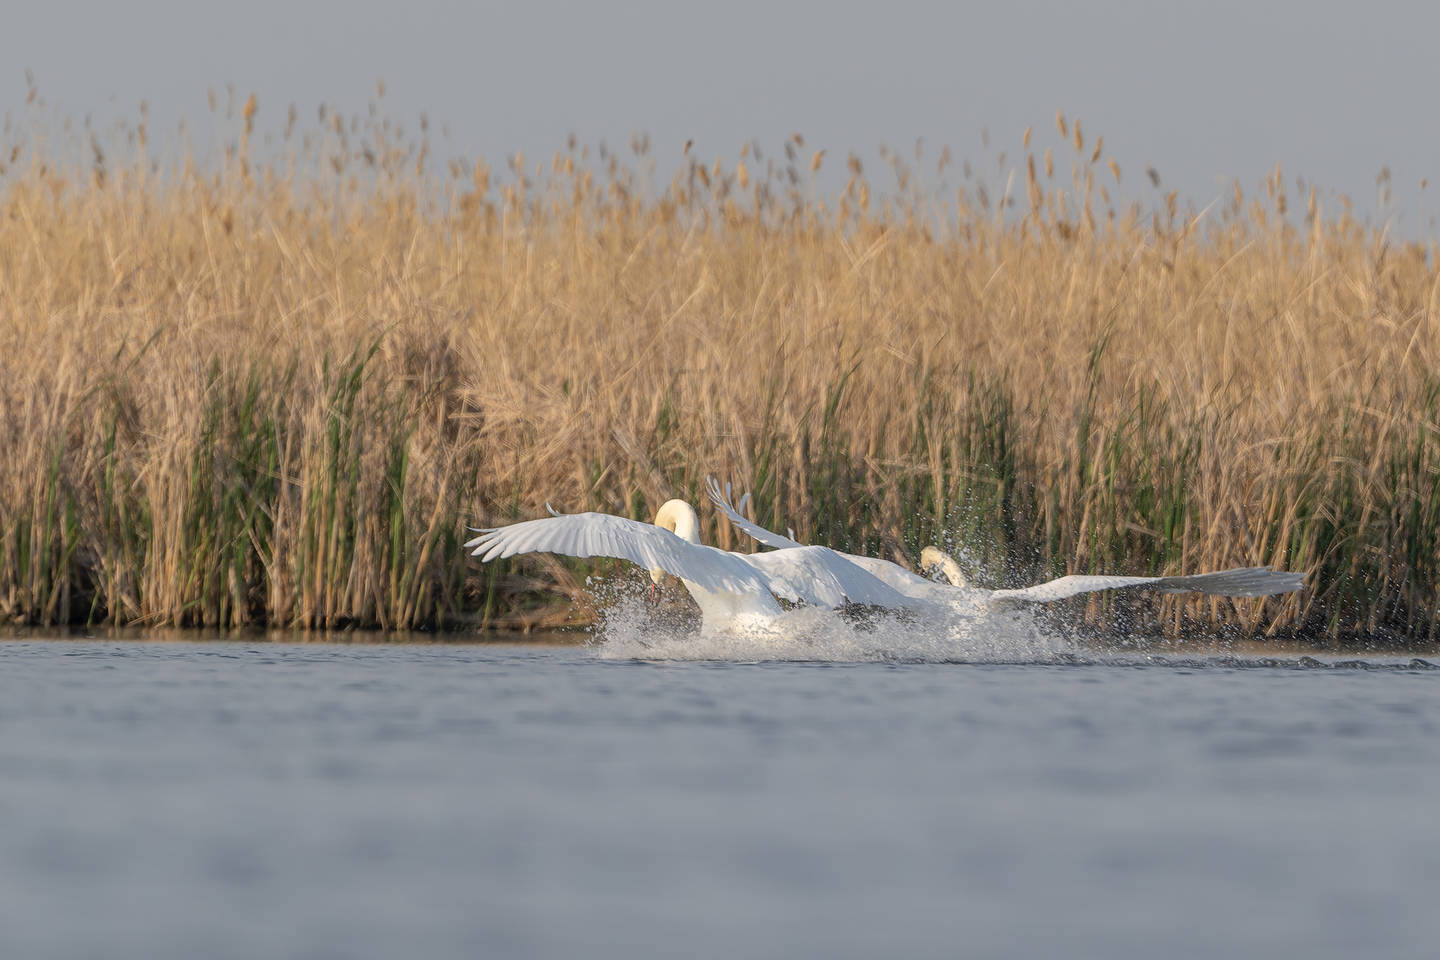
735 590
603 535
1236 582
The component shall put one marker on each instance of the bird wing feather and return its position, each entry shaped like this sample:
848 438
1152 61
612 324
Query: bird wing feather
1239 582
823 577
722 503
603 535
893 576
899 579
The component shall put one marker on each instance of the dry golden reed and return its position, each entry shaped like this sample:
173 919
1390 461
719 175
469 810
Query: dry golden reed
273 390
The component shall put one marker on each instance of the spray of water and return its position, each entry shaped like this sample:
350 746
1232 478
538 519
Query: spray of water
630 629
968 630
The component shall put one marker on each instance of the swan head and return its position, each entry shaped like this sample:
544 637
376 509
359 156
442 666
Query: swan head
935 557
679 518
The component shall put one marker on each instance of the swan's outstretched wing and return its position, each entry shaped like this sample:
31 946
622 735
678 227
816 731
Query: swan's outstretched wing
603 535
722 503
892 576
1239 582
901 580
823 577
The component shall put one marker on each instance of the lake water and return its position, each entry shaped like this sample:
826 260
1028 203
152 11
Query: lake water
252 799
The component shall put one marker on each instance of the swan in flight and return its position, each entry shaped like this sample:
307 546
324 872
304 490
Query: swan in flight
733 590
738 591
1235 582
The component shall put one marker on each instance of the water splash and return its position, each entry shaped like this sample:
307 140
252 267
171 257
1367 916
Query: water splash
631 630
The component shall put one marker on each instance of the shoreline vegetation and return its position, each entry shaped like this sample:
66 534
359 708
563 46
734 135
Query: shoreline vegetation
272 387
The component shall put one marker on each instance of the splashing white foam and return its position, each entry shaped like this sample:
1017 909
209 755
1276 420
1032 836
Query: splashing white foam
631 630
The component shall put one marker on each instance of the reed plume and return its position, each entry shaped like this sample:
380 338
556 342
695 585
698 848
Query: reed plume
272 389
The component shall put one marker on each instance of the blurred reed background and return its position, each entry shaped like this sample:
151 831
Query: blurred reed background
271 385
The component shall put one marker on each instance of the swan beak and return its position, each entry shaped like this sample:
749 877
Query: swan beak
654 595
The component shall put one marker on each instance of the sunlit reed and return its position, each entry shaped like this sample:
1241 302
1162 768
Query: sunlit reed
272 387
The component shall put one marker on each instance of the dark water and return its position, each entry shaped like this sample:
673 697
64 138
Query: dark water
218 800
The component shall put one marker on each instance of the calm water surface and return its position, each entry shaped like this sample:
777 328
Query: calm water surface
222 800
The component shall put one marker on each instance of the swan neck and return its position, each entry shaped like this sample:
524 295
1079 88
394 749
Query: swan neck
679 518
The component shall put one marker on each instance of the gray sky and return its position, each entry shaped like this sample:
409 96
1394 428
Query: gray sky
1204 92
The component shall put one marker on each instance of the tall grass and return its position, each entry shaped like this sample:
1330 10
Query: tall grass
271 386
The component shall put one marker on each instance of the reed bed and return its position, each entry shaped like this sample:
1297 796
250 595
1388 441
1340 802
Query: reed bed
270 386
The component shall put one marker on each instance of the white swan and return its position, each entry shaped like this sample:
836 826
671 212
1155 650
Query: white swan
1235 582
738 591
733 590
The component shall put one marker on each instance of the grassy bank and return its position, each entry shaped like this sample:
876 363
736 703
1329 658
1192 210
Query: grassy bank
273 391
